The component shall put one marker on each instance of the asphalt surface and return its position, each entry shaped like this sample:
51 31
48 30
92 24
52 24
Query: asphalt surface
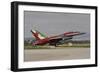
56 54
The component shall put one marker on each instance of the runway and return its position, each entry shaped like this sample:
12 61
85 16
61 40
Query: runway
56 54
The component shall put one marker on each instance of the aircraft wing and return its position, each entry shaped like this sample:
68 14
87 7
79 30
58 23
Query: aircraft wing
57 39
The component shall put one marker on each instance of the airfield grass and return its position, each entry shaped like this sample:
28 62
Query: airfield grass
29 46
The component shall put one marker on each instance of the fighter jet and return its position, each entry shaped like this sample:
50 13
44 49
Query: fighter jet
41 39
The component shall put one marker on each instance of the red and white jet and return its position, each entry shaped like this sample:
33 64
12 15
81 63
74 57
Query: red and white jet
53 40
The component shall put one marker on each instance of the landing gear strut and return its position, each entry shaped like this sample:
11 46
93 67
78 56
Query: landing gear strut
55 44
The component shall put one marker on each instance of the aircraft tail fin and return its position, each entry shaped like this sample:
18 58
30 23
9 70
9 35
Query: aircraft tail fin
38 35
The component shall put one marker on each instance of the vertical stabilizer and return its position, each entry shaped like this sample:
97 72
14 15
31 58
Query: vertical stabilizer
38 35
